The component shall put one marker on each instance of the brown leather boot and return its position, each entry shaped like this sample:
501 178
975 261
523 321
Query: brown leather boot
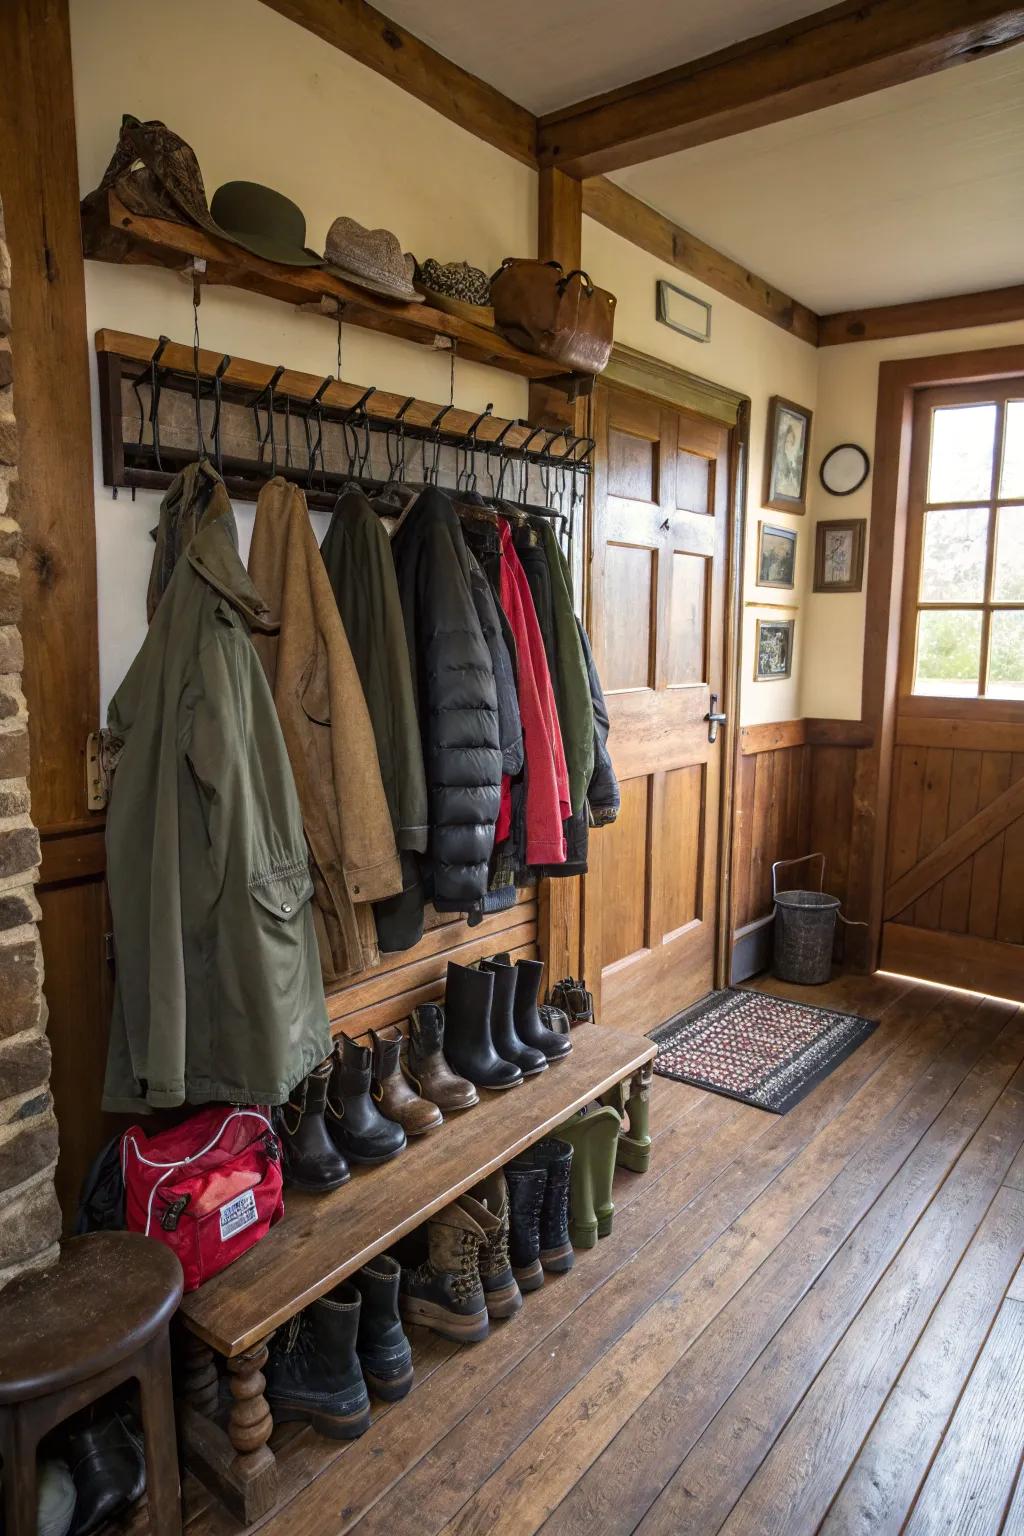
445 1293
424 1064
391 1092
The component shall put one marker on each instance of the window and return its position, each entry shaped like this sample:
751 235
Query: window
967 543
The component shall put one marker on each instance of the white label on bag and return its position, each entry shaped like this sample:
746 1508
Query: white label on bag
238 1214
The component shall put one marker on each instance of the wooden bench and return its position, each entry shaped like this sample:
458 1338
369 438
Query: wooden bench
324 1238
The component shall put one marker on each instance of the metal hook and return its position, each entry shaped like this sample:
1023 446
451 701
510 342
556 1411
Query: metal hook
222 368
155 385
434 433
315 448
396 428
263 438
468 470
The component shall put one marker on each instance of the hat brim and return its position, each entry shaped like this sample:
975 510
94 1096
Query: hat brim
387 290
275 250
476 314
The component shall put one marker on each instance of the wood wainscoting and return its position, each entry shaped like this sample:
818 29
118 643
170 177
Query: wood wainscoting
794 796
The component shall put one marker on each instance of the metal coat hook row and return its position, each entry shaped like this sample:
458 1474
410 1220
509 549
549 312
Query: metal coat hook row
466 476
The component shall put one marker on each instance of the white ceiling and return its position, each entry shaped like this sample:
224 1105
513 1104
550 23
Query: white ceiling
909 193
546 55
914 192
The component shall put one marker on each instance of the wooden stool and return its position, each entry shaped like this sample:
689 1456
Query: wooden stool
69 1334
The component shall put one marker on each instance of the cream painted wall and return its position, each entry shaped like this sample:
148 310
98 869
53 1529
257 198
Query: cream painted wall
260 99
847 397
758 359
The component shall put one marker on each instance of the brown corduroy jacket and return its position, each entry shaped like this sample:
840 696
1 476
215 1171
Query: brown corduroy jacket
327 732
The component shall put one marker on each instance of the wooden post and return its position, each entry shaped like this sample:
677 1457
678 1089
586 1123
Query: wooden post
560 218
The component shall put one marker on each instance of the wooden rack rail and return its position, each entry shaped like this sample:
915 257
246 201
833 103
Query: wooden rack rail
116 235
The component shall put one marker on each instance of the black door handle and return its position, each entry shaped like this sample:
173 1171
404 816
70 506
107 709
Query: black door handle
714 719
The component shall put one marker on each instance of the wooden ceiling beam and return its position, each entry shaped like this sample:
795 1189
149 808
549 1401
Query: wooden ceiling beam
831 56
627 216
381 44
993 306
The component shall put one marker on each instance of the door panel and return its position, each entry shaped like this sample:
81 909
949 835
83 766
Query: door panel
657 626
954 901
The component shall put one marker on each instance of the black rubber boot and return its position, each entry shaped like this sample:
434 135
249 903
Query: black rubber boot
526 1185
313 1372
309 1158
356 1125
468 1045
385 1353
555 1157
503 1025
501 1293
529 1026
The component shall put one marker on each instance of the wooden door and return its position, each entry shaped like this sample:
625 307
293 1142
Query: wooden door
954 900
657 622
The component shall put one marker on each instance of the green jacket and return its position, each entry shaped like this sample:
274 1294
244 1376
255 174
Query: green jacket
218 991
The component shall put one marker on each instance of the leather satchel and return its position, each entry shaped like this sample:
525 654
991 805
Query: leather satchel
555 314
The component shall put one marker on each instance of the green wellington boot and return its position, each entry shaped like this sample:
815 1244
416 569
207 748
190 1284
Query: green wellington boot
632 1099
593 1135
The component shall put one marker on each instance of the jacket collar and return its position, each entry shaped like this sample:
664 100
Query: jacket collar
213 555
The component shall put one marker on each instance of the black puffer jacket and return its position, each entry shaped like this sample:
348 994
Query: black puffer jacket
456 699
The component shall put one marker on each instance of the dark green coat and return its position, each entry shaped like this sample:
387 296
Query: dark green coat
218 990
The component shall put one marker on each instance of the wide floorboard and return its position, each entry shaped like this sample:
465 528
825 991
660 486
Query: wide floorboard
798 1324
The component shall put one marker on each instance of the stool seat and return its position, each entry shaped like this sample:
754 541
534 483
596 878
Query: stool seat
105 1298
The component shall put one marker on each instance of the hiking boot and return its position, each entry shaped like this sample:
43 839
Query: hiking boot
424 1064
444 1292
526 1184
393 1096
593 1135
501 1292
356 1125
555 1157
468 1044
530 1027
503 1026
385 1353
309 1158
573 998
312 1371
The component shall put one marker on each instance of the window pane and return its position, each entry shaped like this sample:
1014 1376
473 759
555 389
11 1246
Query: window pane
1012 479
948 653
1009 573
963 439
1006 655
953 562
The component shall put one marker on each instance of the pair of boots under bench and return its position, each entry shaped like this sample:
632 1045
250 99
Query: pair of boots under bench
632 1099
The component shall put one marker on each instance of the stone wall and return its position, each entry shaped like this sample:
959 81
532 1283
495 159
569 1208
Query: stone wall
29 1215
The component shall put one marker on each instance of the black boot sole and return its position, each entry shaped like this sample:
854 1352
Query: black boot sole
371 1162
336 1426
500 1087
314 1189
390 1389
557 1261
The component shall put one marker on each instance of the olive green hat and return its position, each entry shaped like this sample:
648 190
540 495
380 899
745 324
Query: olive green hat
264 222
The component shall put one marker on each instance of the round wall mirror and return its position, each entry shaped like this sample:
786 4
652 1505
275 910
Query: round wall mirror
844 469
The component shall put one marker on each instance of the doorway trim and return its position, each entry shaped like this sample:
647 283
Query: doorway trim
898 382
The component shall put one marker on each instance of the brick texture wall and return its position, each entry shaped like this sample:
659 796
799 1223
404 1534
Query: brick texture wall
29 1214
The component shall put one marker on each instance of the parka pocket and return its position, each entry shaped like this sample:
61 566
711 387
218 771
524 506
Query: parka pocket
283 894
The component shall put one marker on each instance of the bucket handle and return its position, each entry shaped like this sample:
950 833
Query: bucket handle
803 859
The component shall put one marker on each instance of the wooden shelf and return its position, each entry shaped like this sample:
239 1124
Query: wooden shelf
323 1238
112 233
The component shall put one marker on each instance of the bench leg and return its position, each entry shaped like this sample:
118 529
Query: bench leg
236 1463
18 1448
163 1487
199 1379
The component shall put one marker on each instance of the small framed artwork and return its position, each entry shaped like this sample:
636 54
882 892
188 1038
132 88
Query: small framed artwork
773 648
839 556
776 556
786 456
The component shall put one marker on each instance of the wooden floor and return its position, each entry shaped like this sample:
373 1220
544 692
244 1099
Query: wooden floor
798 1324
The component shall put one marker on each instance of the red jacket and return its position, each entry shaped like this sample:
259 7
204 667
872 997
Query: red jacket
547 782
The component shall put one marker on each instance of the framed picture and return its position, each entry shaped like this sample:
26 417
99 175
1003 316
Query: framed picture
773 650
786 456
839 556
776 556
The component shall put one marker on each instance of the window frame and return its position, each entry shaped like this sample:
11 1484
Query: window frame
981 705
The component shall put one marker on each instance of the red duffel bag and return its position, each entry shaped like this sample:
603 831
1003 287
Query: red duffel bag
209 1188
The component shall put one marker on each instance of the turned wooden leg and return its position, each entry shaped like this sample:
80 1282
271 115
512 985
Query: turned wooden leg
250 1421
199 1380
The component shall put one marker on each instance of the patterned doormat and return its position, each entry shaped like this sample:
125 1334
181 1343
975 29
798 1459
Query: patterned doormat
762 1050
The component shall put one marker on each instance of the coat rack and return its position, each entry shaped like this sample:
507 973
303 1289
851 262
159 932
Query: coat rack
162 404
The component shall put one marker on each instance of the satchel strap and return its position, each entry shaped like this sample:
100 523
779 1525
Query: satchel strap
576 272
512 261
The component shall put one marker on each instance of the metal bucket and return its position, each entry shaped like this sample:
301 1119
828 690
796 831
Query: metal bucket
805 929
